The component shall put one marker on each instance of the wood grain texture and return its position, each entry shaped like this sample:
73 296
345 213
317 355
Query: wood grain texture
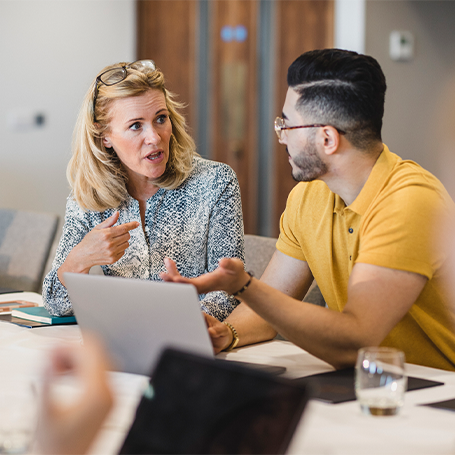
166 33
235 98
301 26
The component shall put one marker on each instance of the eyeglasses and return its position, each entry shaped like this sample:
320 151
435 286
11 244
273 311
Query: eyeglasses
280 126
118 74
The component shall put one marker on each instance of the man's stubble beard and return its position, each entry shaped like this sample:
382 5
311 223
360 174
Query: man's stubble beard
308 165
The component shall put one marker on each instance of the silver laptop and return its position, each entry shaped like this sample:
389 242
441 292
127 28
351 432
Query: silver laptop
137 319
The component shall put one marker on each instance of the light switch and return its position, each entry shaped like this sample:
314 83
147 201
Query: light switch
401 46
25 119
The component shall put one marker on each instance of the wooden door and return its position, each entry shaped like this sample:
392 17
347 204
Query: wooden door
169 32
233 32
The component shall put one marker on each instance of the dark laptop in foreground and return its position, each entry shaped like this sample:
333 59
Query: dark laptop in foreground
197 405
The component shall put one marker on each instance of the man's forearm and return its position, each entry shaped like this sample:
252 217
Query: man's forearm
329 335
378 299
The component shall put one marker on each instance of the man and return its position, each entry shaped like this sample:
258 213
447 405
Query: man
360 223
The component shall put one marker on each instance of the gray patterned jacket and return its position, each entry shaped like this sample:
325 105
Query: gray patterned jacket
196 224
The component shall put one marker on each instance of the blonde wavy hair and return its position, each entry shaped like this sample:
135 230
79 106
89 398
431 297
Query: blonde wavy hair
95 173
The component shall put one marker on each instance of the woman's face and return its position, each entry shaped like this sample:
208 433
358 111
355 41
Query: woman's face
139 132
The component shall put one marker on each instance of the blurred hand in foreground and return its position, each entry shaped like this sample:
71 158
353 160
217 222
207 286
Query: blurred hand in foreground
71 428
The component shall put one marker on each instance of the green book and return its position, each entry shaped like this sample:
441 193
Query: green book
40 314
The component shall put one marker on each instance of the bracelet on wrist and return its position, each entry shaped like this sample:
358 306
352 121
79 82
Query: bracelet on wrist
235 337
246 285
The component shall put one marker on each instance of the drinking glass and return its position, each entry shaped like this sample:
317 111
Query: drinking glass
380 380
18 413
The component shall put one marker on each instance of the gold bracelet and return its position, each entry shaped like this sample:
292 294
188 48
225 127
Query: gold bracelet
235 337
246 285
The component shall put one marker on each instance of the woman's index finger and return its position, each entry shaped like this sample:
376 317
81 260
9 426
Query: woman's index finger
126 227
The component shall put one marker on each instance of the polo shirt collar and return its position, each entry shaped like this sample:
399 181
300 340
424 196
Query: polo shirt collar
379 174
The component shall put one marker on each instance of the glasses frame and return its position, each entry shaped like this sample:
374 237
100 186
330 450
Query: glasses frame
124 68
279 122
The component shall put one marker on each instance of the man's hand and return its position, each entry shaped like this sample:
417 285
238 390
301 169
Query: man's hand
220 334
230 276
71 428
289 275
104 244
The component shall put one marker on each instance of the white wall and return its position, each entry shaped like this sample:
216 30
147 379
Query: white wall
349 23
419 121
50 52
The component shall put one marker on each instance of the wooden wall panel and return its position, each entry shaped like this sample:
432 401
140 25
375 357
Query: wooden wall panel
166 33
300 26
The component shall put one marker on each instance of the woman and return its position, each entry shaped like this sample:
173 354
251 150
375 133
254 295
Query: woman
141 193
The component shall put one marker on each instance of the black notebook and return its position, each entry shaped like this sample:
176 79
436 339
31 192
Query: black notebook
338 386
8 291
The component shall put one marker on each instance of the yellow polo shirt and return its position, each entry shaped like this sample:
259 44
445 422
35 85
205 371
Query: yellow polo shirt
390 224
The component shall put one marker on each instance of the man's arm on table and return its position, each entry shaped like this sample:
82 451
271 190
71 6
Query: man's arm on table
288 275
378 298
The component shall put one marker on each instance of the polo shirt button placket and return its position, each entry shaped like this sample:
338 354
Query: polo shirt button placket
350 230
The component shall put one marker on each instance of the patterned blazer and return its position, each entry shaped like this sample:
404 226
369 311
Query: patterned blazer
196 225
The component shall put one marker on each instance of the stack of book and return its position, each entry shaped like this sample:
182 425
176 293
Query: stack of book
38 317
10 305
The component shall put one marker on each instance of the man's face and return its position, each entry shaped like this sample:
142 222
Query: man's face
306 162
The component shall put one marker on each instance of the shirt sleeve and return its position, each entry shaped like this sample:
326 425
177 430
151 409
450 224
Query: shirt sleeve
55 295
225 240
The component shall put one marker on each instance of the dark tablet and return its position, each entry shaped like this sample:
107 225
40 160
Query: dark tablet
448 405
338 386
199 405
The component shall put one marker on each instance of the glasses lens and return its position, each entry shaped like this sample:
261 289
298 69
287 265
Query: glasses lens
113 76
279 124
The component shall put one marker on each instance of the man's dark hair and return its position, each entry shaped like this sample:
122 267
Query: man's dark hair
343 89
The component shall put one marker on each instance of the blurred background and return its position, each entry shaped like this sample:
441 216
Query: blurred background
227 60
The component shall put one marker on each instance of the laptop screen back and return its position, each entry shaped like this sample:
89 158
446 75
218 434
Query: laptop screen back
137 319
